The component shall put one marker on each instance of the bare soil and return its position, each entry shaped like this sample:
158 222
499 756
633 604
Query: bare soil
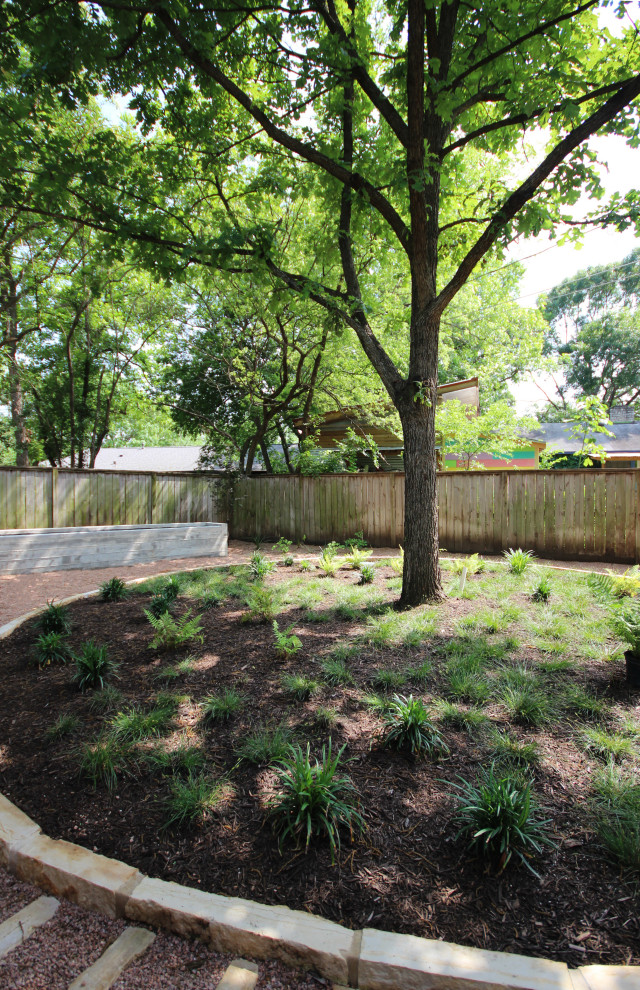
407 873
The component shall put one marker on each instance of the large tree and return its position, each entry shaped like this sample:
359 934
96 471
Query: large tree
386 110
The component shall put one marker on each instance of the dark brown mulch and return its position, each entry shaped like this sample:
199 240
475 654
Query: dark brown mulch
406 874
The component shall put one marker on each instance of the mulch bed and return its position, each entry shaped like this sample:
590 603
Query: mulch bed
406 874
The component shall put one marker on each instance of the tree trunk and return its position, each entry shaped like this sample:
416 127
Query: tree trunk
18 420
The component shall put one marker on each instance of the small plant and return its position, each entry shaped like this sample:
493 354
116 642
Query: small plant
467 685
193 800
377 703
616 813
326 717
397 563
474 564
421 674
93 666
409 726
103 760
65 725
355 558
133 724
583 704
266 745
176 671
259 566
170 633
626 624
52 647
283 546
306 565
183 760
159 605
299 686
210 599
555 666
607 745
263 603
329 563
509 749
388 680
106 700
221 707
335 671
287 644
367 574
113 590
541 591
311 799
498 817
518 560
356 542
467 719
612 585
55 619
288 561
526 704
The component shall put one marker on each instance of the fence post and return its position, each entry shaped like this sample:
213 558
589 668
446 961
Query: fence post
53 510
152 499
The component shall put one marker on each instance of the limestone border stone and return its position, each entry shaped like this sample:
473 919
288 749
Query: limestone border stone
368 959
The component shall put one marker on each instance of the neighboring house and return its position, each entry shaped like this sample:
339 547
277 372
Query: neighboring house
148 459
622 449
334 425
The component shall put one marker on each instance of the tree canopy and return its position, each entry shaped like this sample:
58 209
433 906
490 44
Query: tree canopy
393 122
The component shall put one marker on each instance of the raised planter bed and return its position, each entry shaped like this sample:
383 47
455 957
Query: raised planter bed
25 551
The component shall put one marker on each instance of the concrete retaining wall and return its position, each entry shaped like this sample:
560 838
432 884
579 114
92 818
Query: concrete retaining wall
25 551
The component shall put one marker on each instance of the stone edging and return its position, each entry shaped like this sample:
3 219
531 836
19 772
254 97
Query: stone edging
368 959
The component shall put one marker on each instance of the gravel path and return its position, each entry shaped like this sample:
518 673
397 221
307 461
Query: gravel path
14 895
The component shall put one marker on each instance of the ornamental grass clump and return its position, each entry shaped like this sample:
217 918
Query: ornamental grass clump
54 619
260 567
408 726
356 558
498 817
264 604
616 814
113 590
221 707
93 666
192 800
52 648
312 800
518 560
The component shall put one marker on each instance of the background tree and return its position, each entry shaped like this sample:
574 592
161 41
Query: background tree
388 107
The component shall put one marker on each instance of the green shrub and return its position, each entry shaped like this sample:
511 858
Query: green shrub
541 591
335 671
263 603
103 760
193 800
93 666
409 726
113 590
52 647
221 707
287 645
626 624
260 567
282 546
265 745
498 817
54 619
299 686
310 799
518 560
616 813
367 574
356 542
65 725
171 633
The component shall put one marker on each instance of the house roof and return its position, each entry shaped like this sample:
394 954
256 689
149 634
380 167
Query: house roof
626 439
148 459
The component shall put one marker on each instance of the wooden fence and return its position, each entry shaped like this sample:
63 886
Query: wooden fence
593 515
34 498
